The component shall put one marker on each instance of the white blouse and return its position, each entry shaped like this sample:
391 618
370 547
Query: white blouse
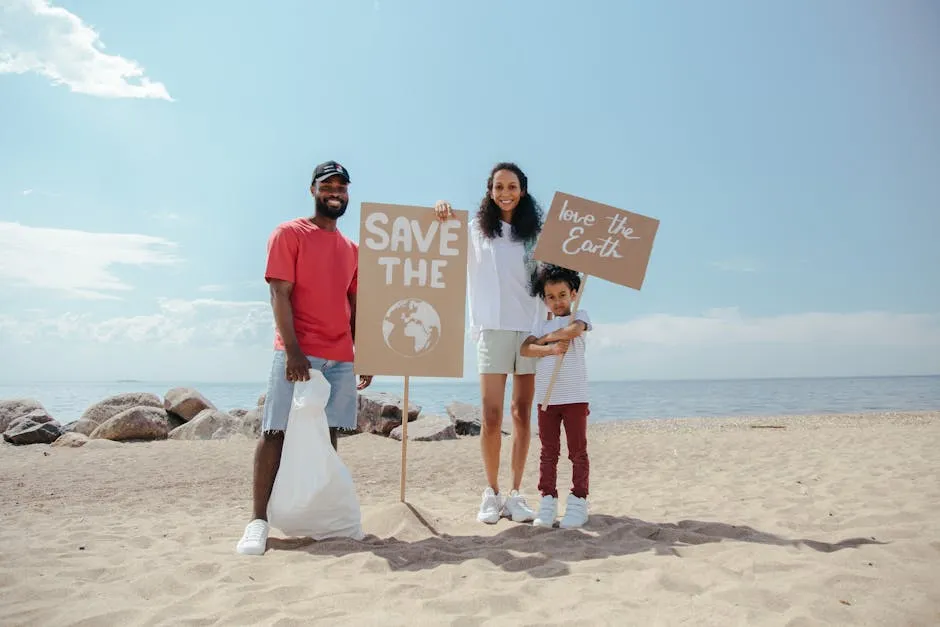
498 272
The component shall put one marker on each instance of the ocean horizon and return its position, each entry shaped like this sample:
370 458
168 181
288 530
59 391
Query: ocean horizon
610 400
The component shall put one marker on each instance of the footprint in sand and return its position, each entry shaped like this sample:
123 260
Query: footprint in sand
140 542
119 617
672 584
288 594
412 591
203 571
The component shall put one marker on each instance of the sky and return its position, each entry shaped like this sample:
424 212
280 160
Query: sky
790 150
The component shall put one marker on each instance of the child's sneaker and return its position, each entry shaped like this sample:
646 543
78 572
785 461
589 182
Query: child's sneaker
490 508
517 509
576 513
548 512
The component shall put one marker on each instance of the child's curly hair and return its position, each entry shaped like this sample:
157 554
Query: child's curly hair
550 273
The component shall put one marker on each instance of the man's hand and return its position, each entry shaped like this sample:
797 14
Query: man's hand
364 381
298 367
560 347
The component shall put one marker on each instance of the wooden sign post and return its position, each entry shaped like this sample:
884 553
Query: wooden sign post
412 295
598 240
404 442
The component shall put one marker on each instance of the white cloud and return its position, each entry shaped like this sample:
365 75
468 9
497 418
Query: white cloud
726 328
76 262
728 344
200 322
55 43
211 339
212 288
197 340
38 192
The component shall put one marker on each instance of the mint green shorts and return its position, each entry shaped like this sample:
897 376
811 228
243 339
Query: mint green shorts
498 353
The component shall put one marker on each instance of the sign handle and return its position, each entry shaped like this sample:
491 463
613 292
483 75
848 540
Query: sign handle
404 439
551 383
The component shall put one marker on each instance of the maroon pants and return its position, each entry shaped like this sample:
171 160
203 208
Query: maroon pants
574 417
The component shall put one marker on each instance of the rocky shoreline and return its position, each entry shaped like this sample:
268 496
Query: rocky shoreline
185 414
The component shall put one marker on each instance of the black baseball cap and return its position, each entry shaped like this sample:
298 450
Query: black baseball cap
327 169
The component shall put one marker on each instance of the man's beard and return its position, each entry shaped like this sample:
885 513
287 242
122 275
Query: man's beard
327 211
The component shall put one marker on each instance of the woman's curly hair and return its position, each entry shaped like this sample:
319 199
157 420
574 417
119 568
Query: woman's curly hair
550 273
526 217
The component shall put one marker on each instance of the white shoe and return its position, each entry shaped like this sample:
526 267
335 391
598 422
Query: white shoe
490 508
255 539
517 509
576 513
548 512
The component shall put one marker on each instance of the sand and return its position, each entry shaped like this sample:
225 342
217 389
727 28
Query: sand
827 521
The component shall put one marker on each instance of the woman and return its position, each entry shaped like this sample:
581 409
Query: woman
502 314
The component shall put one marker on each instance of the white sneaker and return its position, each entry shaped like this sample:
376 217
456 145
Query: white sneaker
255 539
490 508
517 509
548 512
576 513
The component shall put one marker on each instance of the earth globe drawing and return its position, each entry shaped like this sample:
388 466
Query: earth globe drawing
412 327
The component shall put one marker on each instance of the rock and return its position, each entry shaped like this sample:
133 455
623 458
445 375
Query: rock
251 423
95 444
136 423
261 400
186 403
209 424
105 410
380 412
427 429
71 440
39 416
85 427
173 421
13 408
36 427
238 413
468 419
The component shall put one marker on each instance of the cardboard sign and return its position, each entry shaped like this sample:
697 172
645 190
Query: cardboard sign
597 240
412 292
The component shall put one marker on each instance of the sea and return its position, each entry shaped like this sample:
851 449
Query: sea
610 400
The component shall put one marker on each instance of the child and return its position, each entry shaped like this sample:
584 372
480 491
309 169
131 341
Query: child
561 337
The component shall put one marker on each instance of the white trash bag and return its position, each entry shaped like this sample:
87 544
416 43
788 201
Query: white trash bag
313 494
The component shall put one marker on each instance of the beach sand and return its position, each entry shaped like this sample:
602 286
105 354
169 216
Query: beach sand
827 521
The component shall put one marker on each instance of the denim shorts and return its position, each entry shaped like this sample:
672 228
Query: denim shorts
341 409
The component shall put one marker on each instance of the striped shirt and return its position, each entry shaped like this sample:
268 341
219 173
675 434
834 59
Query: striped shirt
571 383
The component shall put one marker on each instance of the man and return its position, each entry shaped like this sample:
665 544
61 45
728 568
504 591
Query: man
312 271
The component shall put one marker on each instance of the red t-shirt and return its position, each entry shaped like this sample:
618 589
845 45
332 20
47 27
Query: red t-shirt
324 268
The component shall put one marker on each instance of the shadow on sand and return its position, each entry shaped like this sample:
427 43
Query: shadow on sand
544 553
